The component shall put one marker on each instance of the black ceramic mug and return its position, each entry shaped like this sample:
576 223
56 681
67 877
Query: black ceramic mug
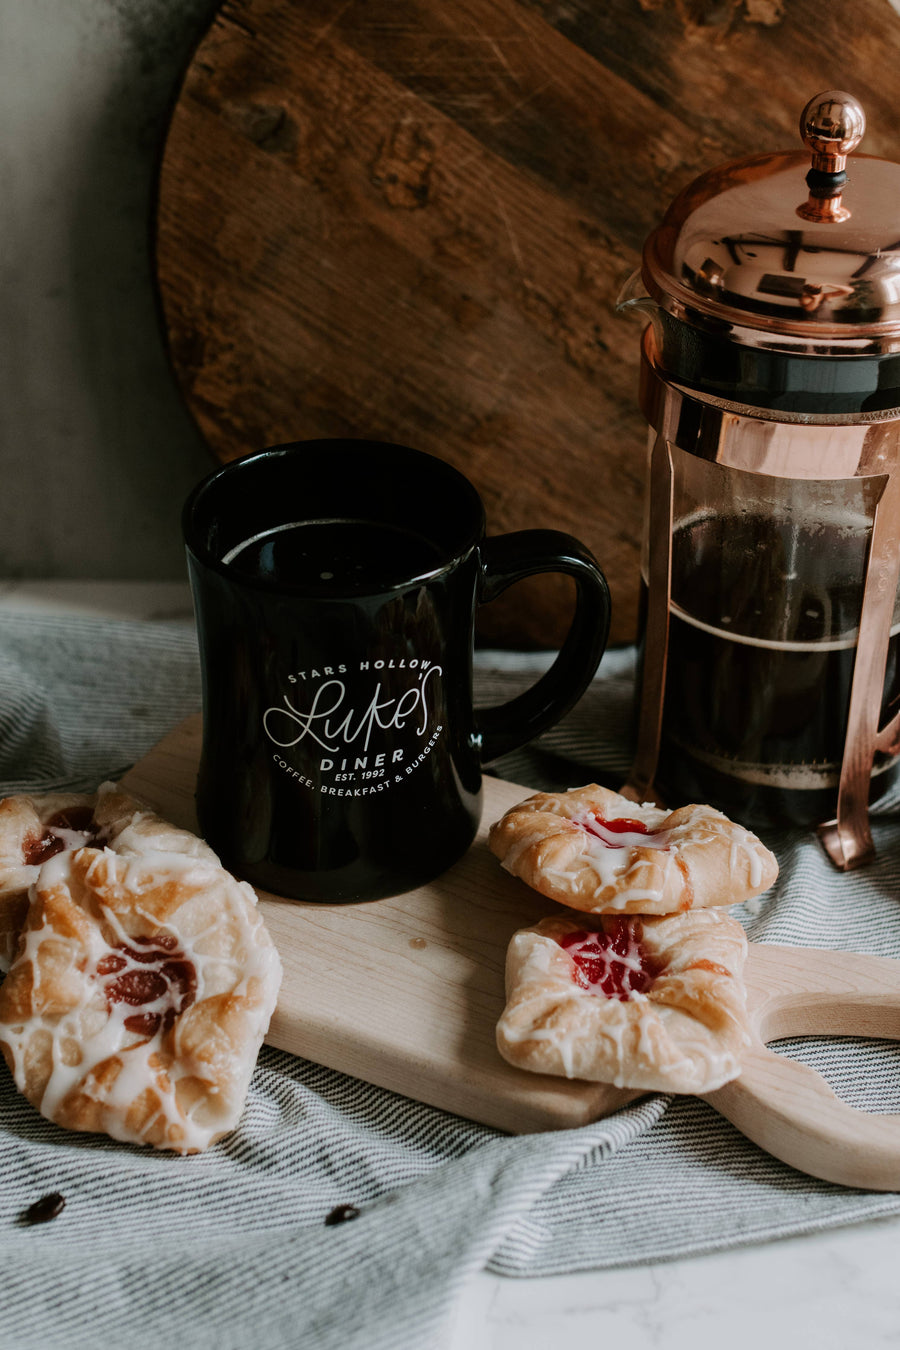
335 585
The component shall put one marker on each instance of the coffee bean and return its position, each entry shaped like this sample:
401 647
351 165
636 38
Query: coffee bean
341 1213
45 1209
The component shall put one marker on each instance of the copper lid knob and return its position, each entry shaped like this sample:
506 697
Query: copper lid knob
831 126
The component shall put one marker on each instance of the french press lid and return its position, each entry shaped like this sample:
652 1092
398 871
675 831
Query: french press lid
777 276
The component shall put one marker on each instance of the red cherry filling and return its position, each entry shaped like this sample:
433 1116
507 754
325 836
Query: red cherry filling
148 973
60 833
623 832
613 962
624 826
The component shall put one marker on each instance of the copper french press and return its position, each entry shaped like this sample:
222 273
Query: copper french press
769 677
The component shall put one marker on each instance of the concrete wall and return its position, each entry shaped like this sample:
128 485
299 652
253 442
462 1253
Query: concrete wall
96 449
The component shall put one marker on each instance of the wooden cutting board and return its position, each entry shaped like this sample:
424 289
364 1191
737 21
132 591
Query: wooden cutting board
406 993
410 220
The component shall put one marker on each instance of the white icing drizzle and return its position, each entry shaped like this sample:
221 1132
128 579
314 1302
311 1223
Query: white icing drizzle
613 856
612 868
600 954
97 1028
743 841
622 839
561 1039
70 839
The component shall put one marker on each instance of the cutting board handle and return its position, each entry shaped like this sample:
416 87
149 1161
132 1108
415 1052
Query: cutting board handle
787 1108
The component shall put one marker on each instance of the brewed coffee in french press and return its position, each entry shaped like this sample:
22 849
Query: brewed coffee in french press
770 377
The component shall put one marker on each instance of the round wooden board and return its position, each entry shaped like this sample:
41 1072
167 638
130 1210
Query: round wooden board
409 220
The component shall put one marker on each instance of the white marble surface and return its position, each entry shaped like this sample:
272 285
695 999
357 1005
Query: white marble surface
834 1290
837 1290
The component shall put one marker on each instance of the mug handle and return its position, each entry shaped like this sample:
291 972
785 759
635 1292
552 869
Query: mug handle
508 558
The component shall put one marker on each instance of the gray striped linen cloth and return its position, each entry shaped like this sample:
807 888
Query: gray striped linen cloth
230 1248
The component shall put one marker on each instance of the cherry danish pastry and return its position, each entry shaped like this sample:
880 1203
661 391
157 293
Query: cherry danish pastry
143 978
656 1004
594 850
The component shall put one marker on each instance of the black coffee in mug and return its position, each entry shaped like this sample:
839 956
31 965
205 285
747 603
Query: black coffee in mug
340 552
335 586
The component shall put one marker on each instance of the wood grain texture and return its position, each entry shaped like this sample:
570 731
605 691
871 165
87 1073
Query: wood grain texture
406 993
409 220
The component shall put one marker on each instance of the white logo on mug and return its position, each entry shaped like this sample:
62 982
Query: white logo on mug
342 731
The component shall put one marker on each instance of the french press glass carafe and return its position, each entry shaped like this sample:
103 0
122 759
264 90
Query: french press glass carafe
770 376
